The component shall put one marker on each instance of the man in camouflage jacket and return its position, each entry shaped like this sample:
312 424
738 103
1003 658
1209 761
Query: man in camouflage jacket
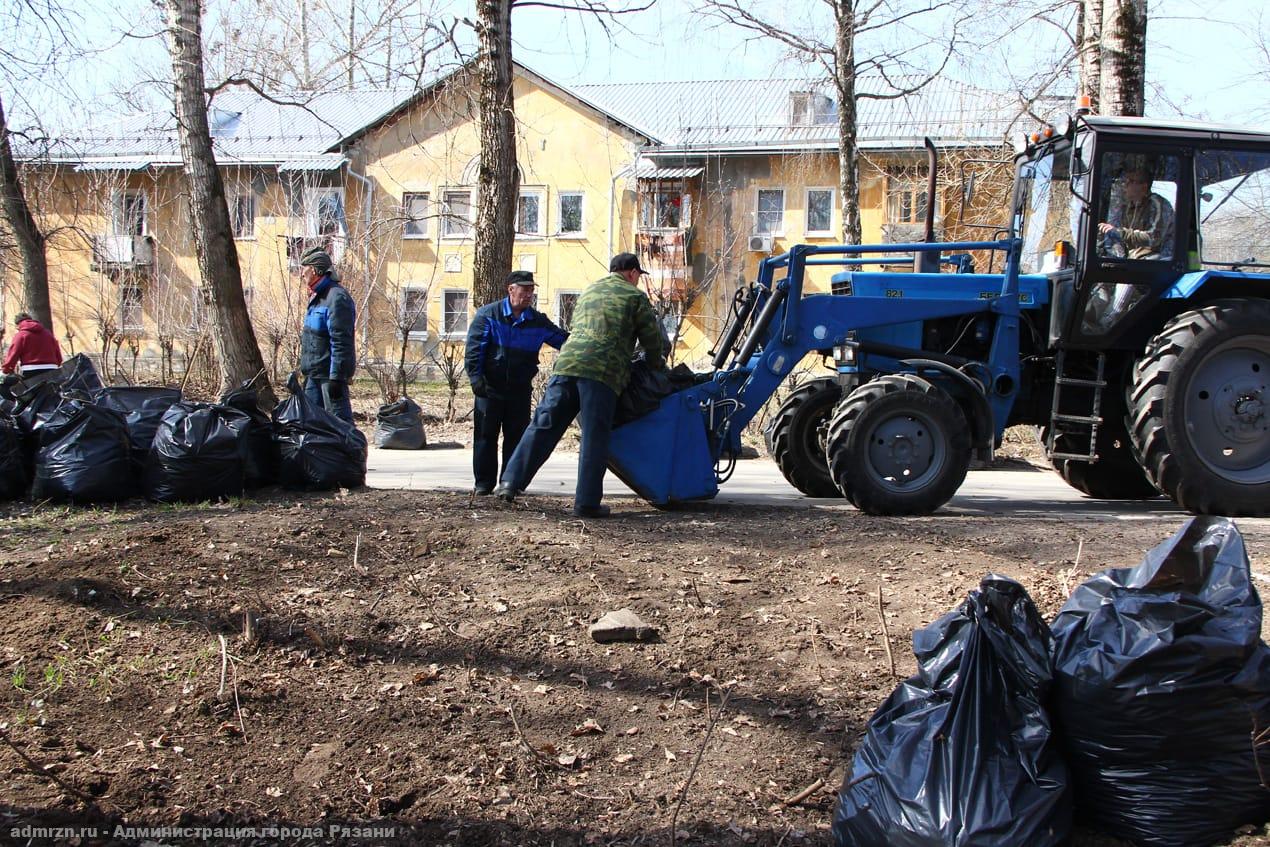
592 369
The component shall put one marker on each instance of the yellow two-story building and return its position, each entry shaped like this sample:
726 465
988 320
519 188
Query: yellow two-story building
703 179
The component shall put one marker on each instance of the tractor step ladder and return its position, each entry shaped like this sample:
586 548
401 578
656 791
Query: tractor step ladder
1079 422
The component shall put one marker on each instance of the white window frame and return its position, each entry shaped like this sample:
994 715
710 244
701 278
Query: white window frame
807 230
899 182
408 217
652 192
580 232
118 206
559 314
446 331
313 196
779 232
541 194
249 198
139 326
447 220
406 291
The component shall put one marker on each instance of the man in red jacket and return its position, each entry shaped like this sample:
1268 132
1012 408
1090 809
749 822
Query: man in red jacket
34 350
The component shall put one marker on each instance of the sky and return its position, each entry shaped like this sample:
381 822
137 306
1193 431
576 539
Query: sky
1201 54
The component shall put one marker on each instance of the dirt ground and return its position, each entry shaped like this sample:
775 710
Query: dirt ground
421 662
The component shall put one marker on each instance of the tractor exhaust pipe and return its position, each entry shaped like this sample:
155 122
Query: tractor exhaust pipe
928 262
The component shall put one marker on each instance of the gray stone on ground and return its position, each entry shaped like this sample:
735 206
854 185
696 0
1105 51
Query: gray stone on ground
622 625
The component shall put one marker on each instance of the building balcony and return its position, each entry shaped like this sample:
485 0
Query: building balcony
122 252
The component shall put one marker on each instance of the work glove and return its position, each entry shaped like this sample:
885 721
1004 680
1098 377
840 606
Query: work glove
479 388
334 389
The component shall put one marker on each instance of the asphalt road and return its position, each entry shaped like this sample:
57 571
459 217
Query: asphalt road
1019 491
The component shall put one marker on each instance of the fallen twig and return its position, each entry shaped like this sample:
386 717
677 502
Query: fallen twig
35 768
375 605
357 550
683 792
795 799
886 635
531 749
224 665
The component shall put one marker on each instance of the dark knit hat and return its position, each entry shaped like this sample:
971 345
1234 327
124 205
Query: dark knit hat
318 259
521 278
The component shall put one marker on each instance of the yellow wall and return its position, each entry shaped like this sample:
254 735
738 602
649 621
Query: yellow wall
561 147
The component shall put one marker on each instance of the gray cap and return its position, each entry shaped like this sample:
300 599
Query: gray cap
318 259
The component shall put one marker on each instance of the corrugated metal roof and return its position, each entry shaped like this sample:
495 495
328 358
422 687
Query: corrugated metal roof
648 170
114 165
742 114
329 162
246 129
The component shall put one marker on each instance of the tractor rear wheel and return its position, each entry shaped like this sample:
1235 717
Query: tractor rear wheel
795 437
1199 418
898 446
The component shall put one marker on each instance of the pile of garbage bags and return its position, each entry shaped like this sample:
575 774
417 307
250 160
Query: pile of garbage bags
1141 712
70 439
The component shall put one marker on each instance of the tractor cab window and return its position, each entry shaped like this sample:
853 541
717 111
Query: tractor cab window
1136 206
1233 189
1048 211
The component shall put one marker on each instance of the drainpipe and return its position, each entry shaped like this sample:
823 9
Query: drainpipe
627 171
367 196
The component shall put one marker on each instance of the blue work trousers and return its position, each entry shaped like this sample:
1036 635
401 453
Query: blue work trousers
316 392
566 398
505 413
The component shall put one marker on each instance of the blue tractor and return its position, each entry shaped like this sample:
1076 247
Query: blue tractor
1125 311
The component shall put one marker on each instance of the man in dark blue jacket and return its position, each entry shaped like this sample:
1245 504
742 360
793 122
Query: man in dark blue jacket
327 354
502 360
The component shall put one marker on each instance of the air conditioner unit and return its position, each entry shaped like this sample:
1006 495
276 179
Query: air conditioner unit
760 243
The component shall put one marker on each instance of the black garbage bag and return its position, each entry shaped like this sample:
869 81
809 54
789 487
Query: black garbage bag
78 374
15 475
199 453
399 426
142 408
963 753
262 453
36 405
1160 678
83 455
316 450
646 388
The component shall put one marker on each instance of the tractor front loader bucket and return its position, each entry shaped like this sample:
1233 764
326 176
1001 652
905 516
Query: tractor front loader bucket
665 456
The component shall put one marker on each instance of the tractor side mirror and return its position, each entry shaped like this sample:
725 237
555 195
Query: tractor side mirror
968 214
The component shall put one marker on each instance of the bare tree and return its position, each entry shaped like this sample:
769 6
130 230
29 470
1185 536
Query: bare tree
26 233
842 62
498 182
1124 46
1089 41
237 350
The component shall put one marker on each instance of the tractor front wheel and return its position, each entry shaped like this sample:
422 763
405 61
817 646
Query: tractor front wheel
898 446
795 440
1199 416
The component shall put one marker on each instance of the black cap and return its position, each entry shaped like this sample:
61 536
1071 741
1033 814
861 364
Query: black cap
521 278
625 262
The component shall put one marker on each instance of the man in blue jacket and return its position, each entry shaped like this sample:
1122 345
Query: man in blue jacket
502 359
327 354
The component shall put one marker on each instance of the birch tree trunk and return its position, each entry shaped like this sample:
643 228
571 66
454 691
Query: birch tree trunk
35 271
498 184
1124 42
1089 42
844 81
232 333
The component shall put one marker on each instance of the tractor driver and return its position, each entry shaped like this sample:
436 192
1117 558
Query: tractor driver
1139 224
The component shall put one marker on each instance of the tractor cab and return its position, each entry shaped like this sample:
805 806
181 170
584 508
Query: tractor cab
1126 215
